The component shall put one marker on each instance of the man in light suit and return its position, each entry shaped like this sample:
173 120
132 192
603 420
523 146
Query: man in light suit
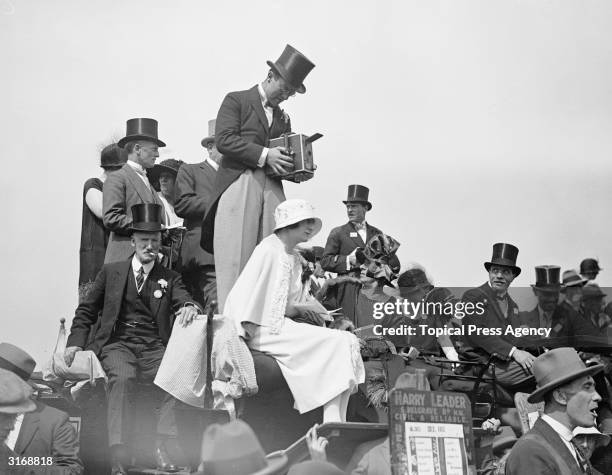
193 189
567 388
247 188
129 186
139 300
45 432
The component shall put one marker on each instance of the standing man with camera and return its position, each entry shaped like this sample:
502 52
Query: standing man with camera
247 187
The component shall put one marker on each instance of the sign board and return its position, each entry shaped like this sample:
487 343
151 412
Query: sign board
430 433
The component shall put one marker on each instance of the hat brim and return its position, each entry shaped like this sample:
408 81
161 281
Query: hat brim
367 203
318 225
132 138
276 464
516 269
157 170
550 288
299 88
147 227
206 140
538 394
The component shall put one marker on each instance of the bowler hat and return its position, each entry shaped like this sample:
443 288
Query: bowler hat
293 67
211 133
293 211
504 255
169 165
571 278
547 278
15 394
234 448
112 156
592 291
589 265
141 129
358 194
147 217
16 360
556 368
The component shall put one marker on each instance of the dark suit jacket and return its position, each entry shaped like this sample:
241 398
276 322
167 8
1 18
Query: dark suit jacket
492 318
340 244
541 452
122 190
46 432
107 295
193 190
568 328
241 133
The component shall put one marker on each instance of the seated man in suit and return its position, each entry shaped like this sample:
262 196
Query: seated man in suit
45 432
139 300
567 388
485 334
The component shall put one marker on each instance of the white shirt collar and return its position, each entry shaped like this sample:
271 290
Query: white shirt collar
137 167
11 439
559 428
262 96
212 163
136 265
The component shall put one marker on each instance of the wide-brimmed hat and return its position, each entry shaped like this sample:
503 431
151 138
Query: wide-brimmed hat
112 156
169 165
314 467
141 129
15 360
602 439
556 368
547 278
504 255
571 278
15 394
234 448
410 283
589 265
147 217
293 211
592 291
505 439
293 67
358 194
211 133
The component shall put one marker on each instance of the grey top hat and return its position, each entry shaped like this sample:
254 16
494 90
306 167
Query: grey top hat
141 129
211 133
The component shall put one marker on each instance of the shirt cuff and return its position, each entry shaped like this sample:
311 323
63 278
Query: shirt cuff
193 304
512 352
348 263
262 158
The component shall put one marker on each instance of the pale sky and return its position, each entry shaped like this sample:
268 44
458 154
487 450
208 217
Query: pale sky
472 122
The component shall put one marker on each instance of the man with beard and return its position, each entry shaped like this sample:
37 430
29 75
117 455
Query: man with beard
566 386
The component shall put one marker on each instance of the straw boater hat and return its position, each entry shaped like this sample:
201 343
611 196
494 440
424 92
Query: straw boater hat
571 278
147 217
234 448
504 255
293 67
141 129
556 368
15 394
547 278
211 133
293 211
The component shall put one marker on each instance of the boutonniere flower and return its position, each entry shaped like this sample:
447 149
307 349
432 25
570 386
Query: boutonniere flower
285 116
163 283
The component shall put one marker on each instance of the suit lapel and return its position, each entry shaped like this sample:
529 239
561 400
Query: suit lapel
154 302
486 288
143 192
255 101
554 439
116 288
354 235
29 426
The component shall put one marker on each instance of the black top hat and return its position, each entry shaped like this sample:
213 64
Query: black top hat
504 255
359 194
211 133
547 278
147 217
141 129
293 67
589 265
112 156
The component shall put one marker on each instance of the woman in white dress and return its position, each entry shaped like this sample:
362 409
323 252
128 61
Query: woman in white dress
322 366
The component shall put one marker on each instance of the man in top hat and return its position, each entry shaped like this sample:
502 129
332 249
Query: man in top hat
499 311
194 188
567 327
130 186
139 301
566 386
15 399
589 268
571 290
247 188
44 432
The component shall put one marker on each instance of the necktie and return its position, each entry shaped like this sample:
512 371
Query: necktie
140 279
584 464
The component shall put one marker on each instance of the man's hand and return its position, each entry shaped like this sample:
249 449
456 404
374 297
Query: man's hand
316 444
278 160
186 315
524 358
69 354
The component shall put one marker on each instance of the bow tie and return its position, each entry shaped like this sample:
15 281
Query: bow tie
359 226
267 104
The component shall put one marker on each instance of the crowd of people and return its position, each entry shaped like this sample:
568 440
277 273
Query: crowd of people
164 243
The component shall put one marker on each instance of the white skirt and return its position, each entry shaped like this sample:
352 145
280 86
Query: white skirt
318 363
